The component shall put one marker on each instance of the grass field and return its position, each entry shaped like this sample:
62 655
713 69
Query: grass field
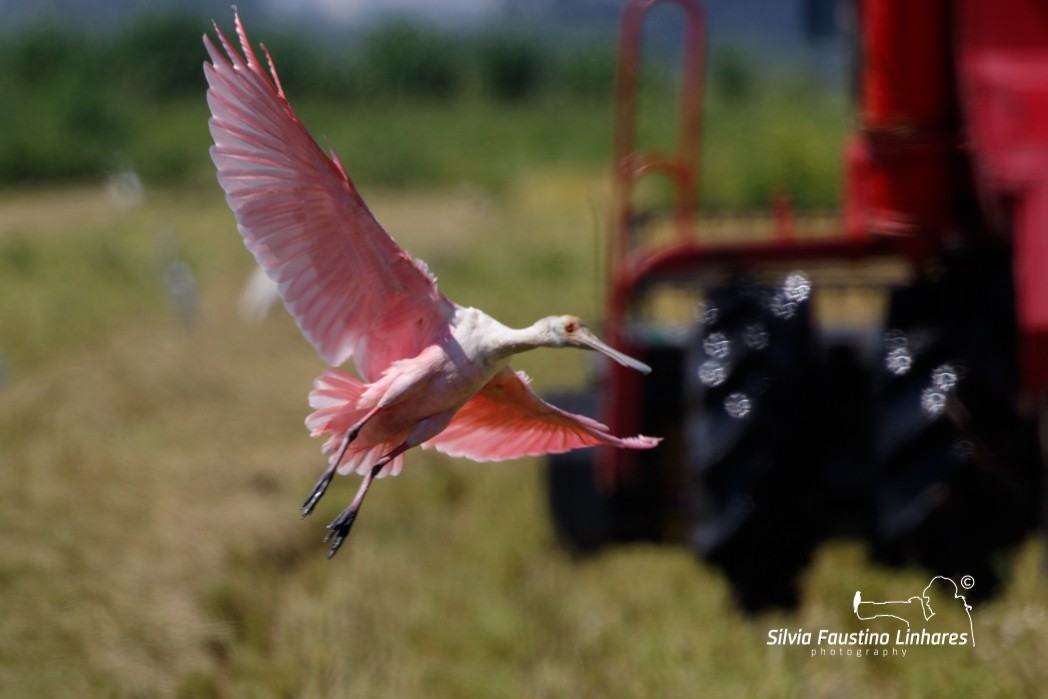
152 451
152 463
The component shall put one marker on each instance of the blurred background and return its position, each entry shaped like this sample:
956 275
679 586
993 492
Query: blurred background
152 452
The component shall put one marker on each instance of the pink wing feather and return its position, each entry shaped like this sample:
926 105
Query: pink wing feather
352 290
507 420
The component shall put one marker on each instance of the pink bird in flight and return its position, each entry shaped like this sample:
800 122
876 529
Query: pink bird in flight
433 374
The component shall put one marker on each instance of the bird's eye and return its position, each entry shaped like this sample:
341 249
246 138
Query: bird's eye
571 326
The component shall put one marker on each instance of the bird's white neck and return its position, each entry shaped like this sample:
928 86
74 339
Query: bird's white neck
516 340
483 335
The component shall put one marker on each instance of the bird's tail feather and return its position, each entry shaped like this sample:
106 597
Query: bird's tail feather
335 401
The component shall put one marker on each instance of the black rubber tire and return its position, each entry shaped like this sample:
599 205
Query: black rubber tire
649 503
754 474
581 513
957 467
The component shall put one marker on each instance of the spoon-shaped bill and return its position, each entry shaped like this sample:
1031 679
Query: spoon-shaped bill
586 339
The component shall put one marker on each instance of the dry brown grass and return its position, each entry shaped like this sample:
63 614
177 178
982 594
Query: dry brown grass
150 544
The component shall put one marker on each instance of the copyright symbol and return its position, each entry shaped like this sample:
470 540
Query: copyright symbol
967 582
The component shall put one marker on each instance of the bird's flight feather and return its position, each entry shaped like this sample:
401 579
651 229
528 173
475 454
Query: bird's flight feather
352 290
507 420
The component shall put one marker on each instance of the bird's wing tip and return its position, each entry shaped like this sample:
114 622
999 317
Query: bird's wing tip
642 442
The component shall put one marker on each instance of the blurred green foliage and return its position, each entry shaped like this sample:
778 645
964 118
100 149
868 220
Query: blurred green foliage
157 58
732 75
510 66
56 122
404 61
417 106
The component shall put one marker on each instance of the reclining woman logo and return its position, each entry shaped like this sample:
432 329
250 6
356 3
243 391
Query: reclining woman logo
920 609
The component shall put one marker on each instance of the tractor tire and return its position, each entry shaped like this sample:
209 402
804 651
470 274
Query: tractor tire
647 504
750 383
956 464
581 512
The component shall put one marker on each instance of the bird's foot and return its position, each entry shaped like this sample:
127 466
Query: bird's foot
318 492
339 528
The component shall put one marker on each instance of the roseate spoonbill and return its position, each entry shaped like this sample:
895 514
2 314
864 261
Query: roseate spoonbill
433 373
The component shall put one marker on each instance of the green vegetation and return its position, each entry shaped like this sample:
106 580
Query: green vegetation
407 106
150 544
42 278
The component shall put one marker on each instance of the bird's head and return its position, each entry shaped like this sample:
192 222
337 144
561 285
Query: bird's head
569 331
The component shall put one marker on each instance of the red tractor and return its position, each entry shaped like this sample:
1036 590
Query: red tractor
884 378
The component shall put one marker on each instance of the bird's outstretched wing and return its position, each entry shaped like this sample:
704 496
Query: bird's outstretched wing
352 290
507 420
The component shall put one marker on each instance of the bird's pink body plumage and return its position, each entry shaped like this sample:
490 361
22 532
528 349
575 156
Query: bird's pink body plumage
433 373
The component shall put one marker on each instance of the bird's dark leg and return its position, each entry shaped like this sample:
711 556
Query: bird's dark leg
319 489
329 473
339 528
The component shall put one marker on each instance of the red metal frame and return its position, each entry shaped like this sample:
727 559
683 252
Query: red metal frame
1002 54
630 265
629 166
942 82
